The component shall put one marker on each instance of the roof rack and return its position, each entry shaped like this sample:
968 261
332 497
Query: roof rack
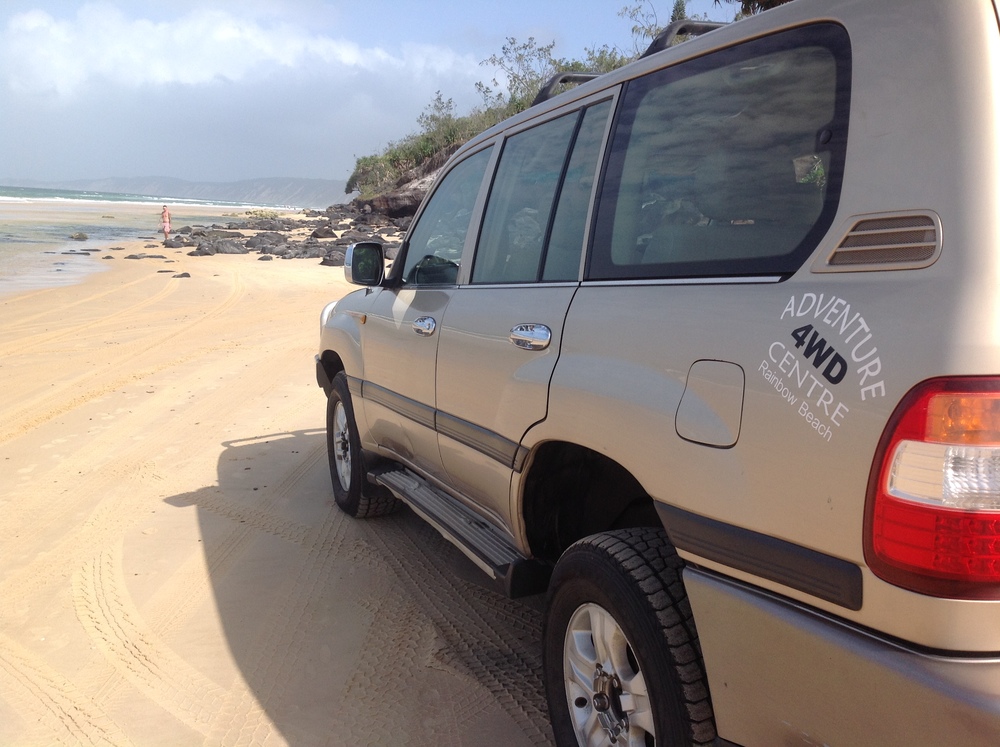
547 91
678 28
663 40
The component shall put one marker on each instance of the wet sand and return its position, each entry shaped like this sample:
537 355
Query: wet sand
173 569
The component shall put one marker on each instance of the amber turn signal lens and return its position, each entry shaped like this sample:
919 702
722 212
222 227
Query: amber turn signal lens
964 418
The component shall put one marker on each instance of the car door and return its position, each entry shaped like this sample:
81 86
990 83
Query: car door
501 333
400 336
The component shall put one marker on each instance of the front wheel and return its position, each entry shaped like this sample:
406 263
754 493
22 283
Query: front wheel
622 660
347 469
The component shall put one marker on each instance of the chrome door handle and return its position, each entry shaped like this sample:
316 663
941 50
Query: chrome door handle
424 326
531 336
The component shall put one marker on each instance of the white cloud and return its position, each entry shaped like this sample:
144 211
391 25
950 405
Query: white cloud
43 54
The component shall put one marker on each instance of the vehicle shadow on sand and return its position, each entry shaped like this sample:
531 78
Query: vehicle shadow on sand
352 631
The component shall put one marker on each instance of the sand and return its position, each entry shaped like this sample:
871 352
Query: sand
173 570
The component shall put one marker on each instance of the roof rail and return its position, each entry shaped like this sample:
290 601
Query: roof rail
547 91
678 28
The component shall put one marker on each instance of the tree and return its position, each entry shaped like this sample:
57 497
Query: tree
679 12
645 24
749 7
526 66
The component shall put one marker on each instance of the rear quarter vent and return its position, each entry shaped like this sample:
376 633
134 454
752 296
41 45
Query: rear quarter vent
886 241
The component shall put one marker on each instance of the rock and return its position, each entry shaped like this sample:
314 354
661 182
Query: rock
145 256
222 246
213 234
353 237
397 204
183 275
228 246
79 236
265 258
265 239
324 232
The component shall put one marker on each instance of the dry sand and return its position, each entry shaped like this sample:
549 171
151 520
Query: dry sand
174 571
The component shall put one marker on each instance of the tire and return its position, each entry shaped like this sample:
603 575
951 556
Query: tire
620 647
351 491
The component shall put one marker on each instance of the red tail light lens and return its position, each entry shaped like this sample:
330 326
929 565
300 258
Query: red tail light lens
932 522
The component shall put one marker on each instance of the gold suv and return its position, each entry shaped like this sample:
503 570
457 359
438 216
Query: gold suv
708 348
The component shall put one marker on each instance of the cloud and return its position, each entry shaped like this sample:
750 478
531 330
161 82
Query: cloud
43 54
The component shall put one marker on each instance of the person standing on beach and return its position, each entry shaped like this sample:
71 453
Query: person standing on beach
165 223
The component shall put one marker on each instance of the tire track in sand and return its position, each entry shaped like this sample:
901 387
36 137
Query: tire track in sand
32 412
175 602
52 709
25 339
118 630
475 624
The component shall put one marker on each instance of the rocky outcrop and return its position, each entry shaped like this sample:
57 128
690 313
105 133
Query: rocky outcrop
319 234
323 235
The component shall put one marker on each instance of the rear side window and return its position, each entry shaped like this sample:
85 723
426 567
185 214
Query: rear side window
729 164
536 214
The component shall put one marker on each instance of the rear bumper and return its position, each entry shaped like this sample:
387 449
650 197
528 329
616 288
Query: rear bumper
782 673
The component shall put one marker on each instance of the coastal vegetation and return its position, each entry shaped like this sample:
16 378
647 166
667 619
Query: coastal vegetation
524 67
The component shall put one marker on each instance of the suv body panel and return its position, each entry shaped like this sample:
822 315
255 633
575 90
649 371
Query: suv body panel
793 676
476 355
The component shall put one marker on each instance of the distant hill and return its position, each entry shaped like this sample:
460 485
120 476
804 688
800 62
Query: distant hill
275 191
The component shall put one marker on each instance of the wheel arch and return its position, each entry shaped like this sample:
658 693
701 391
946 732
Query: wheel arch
570 491
329 364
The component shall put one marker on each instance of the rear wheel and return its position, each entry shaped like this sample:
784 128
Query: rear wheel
622 661
347 470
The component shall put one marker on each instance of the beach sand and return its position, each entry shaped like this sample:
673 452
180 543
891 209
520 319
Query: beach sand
174 571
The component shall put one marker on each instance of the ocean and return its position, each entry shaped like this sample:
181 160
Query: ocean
36 250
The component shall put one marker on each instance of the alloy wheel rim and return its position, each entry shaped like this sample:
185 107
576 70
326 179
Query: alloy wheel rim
342 446
605 690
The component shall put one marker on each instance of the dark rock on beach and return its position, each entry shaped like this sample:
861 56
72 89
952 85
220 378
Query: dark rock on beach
322 235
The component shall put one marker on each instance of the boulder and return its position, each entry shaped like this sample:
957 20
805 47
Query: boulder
324 232
397 204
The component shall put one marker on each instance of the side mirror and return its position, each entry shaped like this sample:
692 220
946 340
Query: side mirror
364 263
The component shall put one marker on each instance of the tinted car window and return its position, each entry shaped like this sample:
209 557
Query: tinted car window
434 247
520 202
728 164
563 250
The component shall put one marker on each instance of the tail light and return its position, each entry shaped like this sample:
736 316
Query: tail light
932 522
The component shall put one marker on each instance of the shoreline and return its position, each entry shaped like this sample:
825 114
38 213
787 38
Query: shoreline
39 252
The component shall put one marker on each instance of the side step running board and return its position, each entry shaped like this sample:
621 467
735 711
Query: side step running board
514 574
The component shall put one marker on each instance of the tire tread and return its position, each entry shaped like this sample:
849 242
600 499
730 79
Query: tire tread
654 569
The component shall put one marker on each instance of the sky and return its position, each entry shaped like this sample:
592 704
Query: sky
226 90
